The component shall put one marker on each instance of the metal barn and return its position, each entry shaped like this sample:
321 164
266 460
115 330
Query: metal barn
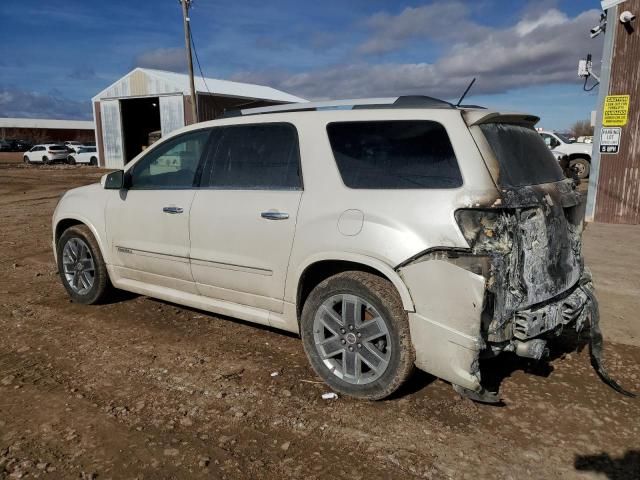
146 101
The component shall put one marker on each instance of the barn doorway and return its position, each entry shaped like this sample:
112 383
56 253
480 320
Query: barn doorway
140 117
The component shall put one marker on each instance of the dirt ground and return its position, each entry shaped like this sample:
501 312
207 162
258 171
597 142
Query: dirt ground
140 388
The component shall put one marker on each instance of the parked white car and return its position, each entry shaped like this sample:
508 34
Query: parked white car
46 153
579 153
83 154
388 233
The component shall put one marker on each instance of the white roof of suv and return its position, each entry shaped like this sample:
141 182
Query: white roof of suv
473 114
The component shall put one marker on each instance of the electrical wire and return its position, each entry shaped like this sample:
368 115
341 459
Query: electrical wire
195 54
584 87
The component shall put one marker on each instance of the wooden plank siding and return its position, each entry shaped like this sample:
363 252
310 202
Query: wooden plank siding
618 194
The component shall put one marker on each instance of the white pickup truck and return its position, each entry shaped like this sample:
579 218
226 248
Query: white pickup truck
579 153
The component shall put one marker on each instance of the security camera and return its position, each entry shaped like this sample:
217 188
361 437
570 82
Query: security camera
627 17
595 31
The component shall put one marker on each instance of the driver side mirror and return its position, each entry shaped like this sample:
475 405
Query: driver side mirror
114 180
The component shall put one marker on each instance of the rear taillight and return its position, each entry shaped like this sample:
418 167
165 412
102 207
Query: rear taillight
486 230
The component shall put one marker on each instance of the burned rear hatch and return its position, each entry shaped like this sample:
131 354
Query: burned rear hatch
532 231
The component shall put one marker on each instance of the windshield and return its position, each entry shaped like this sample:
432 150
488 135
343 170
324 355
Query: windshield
523 156
564 138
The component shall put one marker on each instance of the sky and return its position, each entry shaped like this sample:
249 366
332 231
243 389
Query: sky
56 54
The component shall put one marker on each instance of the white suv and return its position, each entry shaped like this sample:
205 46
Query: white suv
389 233
46 153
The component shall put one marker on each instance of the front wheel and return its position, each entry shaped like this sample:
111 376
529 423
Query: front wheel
580 167
81 266
71 160
45 160
355 333
26 160
93 161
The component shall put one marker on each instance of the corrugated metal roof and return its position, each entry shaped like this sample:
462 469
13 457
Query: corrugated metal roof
146 81
46 123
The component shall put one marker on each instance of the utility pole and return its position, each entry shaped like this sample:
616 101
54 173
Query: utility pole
186 4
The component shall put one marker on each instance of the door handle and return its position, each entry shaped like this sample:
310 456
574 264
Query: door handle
273 215
173 210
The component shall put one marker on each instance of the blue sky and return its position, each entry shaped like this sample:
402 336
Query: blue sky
56 54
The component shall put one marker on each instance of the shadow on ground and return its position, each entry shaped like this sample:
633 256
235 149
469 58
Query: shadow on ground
495 370
626 467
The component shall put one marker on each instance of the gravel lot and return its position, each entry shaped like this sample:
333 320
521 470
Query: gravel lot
141 388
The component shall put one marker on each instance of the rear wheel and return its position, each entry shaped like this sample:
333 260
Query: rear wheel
45 160
93 161
580 167
355 333
81 266
71 160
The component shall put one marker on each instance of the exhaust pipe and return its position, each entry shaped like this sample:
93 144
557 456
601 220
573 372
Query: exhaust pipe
535 349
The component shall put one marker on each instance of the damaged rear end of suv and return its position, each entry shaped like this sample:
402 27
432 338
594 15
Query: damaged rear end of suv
525 273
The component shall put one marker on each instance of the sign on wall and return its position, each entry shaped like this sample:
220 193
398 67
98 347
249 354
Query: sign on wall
610 139
616 110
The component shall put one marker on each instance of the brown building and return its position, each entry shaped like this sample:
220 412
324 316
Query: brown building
38 130
614 185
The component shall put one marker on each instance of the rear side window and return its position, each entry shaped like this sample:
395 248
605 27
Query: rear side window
256 157
57 147
522 155
394 154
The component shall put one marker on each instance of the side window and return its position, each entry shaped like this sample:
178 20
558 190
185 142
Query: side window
551 141
397 154
256 157
172 164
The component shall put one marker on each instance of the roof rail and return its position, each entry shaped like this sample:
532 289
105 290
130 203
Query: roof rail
410 101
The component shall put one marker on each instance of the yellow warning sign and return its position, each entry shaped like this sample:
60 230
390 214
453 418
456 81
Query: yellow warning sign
616 110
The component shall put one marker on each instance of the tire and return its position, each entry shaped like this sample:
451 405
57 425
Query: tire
580 167
26 160
356 340
71 160
45 160
86 290
93 161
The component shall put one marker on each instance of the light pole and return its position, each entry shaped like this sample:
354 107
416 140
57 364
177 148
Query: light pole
186 4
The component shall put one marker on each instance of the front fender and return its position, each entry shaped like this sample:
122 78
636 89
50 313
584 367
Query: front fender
84 205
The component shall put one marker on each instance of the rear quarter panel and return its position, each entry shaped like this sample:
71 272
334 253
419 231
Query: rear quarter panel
395 224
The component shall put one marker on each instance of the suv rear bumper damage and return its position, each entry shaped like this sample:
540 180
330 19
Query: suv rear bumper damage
446 328
521 280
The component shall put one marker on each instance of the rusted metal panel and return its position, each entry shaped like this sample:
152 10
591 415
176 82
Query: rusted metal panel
211 107
111 133
618 195
138 84
171 113
188 116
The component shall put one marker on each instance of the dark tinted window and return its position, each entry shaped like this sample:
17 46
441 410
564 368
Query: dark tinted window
54 148
394 154
262 156
171 165
522 154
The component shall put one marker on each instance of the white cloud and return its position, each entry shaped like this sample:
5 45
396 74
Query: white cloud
172 59
16 102
541 48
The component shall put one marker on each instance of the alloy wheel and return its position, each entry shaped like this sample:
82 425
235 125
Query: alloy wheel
352 339
78 265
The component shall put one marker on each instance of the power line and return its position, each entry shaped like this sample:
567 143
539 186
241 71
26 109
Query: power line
195 53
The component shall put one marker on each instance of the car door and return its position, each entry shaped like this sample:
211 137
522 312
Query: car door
148 223
243 217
